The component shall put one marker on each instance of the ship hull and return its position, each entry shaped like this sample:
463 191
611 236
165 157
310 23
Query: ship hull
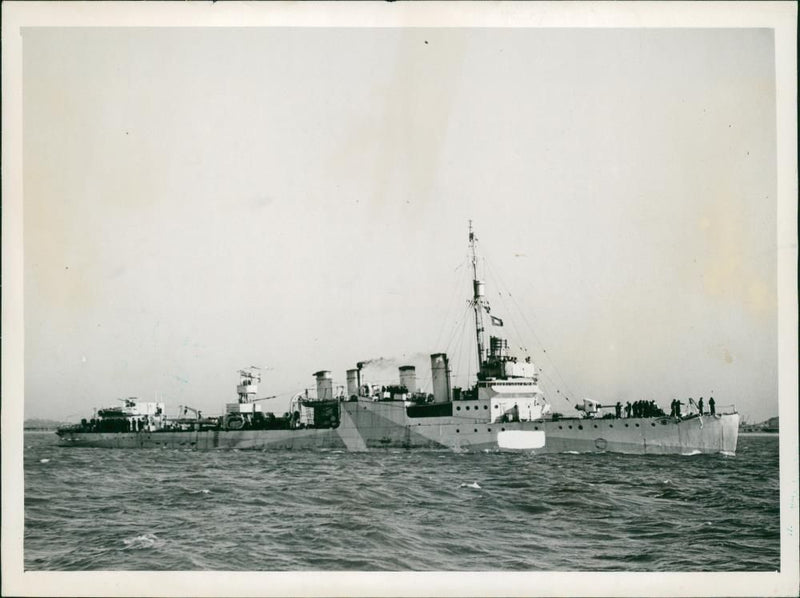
651 436
380 425
208 440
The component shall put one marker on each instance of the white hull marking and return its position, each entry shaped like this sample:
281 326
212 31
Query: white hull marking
520 439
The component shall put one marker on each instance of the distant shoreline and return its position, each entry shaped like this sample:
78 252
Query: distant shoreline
758 434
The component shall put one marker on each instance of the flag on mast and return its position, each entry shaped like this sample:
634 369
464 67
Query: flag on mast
496 321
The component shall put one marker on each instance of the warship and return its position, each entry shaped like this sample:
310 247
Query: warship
504 410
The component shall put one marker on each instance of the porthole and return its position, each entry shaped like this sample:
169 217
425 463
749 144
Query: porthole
458 408
570 427
457 430
637 425
560 427
580 427
497 406
626 425
502 429
653 424
595 425
476 429
466 407
486 406
535 427
610 425
488 429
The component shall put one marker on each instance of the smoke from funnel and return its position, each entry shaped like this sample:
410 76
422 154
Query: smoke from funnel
384 370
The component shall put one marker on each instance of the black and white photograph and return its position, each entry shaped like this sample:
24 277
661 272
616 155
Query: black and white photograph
388 299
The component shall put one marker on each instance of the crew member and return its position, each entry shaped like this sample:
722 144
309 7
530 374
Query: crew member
711 404
618 409
700 405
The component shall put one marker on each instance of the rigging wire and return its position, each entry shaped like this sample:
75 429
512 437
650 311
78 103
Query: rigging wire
466 354
471 358
490 273
457 327
501 284
459 354
471 350
451 305
463 321
550 382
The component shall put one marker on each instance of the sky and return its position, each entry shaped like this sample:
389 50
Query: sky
200 200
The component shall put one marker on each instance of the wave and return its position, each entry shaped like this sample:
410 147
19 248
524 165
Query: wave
143 541
97 509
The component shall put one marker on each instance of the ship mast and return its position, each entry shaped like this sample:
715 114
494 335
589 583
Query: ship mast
477 298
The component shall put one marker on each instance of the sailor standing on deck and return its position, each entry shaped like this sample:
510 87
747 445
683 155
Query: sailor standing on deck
700 405
711 403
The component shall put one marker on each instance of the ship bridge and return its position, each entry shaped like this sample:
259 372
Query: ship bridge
500 365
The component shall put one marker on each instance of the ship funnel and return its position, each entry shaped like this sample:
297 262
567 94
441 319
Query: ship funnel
440 371
324 385
352 383
360 366
408 378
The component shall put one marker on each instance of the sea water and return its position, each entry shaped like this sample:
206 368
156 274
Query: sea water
106 509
